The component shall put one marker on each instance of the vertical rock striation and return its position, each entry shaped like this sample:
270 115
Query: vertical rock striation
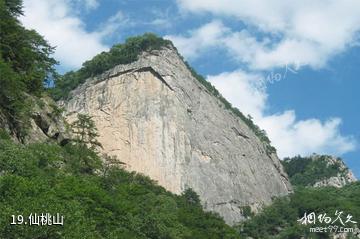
159 120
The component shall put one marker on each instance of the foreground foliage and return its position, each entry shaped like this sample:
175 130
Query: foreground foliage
280 219
25 64
98 203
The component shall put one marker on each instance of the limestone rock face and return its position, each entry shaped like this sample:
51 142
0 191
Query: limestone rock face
159 120
46 123
343 177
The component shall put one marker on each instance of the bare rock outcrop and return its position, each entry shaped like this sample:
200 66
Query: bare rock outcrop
45 123
158 119
343 177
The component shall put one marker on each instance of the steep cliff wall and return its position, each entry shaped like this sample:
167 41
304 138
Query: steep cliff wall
318 171
158 119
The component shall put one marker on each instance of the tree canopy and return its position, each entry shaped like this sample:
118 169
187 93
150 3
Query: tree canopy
306 171
48 178
25 63
280 220
118 54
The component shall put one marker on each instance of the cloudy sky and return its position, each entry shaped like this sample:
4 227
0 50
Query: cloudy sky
292 65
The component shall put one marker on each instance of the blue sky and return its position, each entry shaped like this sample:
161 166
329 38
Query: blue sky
244 48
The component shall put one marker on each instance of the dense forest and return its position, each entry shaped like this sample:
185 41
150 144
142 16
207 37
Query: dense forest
102 200
97 200
280 220
25 63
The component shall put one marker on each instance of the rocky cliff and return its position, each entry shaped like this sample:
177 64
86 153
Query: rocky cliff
45 123
343 177
159 120
318 171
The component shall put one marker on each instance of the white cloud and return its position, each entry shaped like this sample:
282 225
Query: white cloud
161 23
90 4
289 135
304 137
114 22
81 5
55 21
246 48
209 35
276 33
238 87
297 32
162 18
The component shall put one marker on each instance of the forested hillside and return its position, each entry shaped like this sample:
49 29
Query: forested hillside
96 200
280 220
25 63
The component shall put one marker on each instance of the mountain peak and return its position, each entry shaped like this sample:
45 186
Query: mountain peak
163 120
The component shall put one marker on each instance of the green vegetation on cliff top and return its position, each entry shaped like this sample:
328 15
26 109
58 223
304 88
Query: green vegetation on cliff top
306 171
118 54
129 52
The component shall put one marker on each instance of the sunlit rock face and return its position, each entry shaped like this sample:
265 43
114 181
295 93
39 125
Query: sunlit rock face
159 120
343 177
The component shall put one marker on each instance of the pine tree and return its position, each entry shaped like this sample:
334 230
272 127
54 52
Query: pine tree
85 132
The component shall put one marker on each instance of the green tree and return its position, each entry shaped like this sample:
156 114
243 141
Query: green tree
25 63
86 143
280 220
25 51
306 171
85 131
118 54
42 178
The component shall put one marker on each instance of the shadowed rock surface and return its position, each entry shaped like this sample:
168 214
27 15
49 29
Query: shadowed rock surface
45 123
